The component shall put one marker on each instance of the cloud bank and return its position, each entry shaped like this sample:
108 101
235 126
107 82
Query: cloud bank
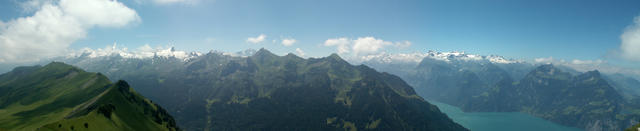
342 44
56 25
630 46
363 46
368 45
589 65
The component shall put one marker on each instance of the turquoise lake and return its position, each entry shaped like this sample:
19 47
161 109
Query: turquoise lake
499 121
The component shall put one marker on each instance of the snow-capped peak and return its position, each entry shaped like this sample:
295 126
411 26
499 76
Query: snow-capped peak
244 53
384 57
417 57
455 55
142 52
500 59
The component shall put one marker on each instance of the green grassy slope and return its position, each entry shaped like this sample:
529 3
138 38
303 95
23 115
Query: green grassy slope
31 97
118 108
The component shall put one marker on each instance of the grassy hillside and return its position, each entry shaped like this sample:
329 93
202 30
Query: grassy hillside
118 108
56 94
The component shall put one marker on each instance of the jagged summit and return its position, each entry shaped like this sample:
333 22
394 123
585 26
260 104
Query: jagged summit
291 55
548 71
171 52
60 67
122 85
593 72
546 68
56 64
417 57
263 52
335 58
141 53
247 52
590 75
462 56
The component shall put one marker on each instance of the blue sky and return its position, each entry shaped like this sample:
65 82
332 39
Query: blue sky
562 29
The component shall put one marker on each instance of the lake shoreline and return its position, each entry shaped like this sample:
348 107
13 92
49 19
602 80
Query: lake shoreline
499 121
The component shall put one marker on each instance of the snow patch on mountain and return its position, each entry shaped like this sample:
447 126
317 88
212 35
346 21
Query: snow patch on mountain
147 51
417 57
244 53
384 57
142 52
455 55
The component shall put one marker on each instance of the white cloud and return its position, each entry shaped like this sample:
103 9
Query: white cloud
105 13
145 48
587 62
258 39
55 26
288 42
546 60
363 45
300 52
342 44
368 45
630 45
588 65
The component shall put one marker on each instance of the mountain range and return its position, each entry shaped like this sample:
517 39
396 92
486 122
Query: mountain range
187 83
263 91
587 100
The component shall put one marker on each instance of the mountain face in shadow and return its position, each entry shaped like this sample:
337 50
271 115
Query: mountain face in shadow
585 100
589 100
456 81
61 97
269 92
